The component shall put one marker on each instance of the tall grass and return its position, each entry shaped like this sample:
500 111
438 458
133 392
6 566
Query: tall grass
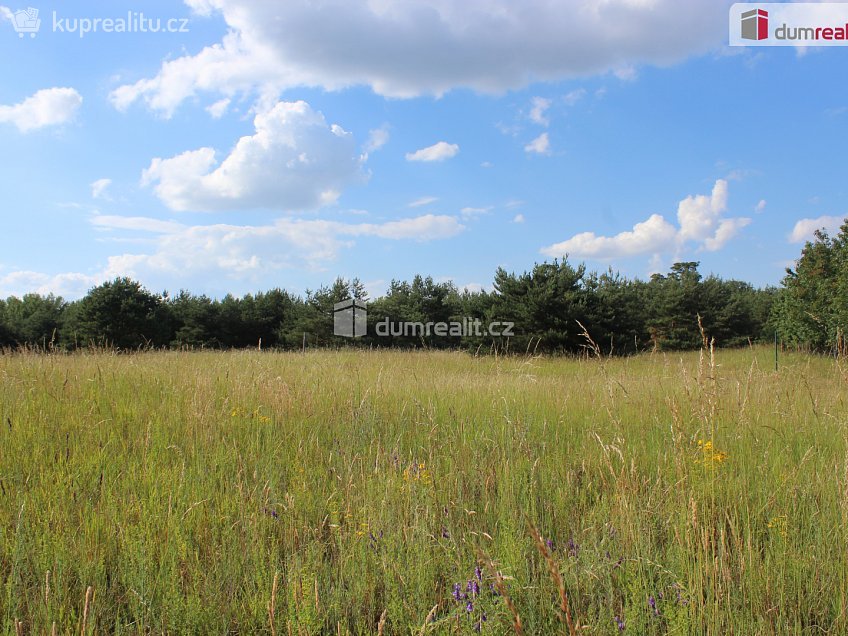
402 493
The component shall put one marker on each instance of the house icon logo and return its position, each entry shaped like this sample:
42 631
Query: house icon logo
26 21
350 318
755 25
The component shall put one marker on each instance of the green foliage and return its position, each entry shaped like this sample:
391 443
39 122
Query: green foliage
32 319
544 305
121 314
812 309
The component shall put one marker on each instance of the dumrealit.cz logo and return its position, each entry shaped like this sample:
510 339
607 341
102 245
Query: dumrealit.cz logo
755 24
350 320
789 24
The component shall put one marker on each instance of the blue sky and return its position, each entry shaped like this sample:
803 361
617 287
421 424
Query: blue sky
283 144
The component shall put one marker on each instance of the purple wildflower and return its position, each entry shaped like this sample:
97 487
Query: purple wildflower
653 603
478 573
457 592
473 587
573 548
470 607
445 533
619 623
550 544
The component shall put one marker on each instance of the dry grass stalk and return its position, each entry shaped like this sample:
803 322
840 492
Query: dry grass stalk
557 578
430 616
381 626
490 567
89 598
272 605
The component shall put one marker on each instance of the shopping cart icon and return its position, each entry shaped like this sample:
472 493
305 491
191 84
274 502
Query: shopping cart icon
26 21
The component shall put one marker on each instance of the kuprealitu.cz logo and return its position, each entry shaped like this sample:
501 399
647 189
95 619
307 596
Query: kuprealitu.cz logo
29 22
789 24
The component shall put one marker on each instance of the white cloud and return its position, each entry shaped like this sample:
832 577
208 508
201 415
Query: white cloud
540 145
437 152
416 47
626 73
649 236
574 96
47 107
68 285
698 214
518 218
219 108
700 218
538 110
472 288
181 255
422 202
136 223
727 229
473 213
377 138
237 252
805 228
99 189
760 207
294 161
6 13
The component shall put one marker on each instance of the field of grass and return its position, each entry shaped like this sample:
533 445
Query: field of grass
360 492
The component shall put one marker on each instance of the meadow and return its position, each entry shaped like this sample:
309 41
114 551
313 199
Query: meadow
387 492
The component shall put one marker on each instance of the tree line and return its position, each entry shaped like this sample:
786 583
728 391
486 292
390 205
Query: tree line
548 305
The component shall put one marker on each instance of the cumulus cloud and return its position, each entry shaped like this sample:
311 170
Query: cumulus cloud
437 152
294 161
99 189
518 218
805 228
649 236
67 285
417 47
760 207
541 145
180 254
540 106
700 221
698 214
219 108
47 107
245 252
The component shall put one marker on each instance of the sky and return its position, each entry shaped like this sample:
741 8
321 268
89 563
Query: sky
253 144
